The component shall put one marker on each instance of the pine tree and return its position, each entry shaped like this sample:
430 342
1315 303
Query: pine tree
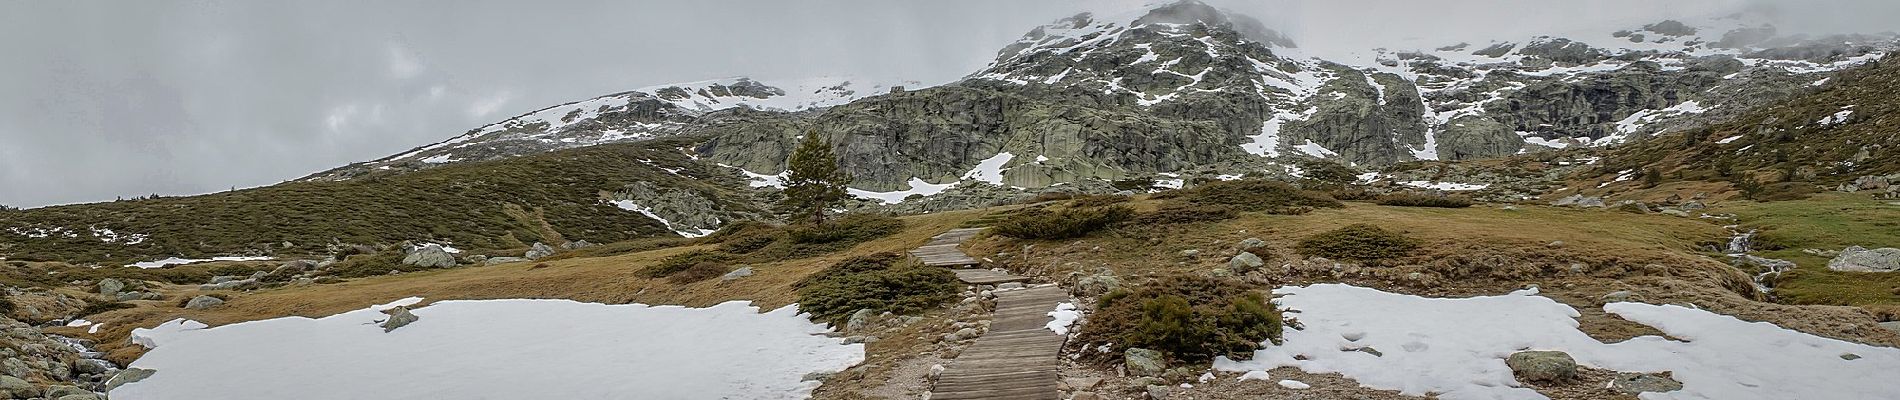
815 183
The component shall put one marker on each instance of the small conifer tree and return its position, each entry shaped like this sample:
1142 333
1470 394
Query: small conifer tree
815 183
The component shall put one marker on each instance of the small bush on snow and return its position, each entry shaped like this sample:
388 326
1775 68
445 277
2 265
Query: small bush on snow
1191 318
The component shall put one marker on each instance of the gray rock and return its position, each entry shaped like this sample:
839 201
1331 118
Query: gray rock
61 391
1636 383
1190 253
16 388
1621 296
1891 326
203 302
737 273
538 250
240 284
1159 391
1101 282
398 317
1543 366
1860 259
430 256
80 396
1252 243
858 320
129 375
110 286
1009 285
1144 362
1578 200
504 260
129 296
1245 262
581 244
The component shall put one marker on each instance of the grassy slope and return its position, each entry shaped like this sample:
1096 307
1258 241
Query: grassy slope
1830 221
490 205
1773 141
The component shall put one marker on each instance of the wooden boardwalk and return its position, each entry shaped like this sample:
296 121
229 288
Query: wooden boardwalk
942 250
1018 357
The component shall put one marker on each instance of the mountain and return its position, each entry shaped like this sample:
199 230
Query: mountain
640 114
1155 97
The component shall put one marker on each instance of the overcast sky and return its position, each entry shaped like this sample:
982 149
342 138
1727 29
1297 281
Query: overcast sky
126 98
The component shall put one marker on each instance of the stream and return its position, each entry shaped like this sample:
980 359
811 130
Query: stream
1740 243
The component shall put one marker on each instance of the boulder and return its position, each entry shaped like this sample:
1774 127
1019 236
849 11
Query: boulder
430 256
1891 326
1144 362
581 244
1158 391
1245 261
61 391
1637 383
504 260
1578 200
110 286
1252 243
737 273
1621 296
1543 366
129 375
1861 259
858 320
16 388
398 317
203 302
1097 284
79 396
241 284
538 250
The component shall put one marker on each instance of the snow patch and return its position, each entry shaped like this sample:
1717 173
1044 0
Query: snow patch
1455 347
1445 186
183 261
917 187
497 349
1064 317
629 205
991 169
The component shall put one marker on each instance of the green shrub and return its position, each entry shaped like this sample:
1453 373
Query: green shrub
6 306
685 261
95 307
1353 193
1259 195
854 228
1191 318
1360 242
1047 197
1326 175
1062 224
1098 200
695 273
1416 199
381 263
878 282
1173 213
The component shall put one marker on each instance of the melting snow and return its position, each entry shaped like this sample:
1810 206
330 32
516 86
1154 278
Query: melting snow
629 205
1445 186
917 187
182 261
991 169
1730 139
497 349
1837 118
1064 316
1315 150
1455 347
